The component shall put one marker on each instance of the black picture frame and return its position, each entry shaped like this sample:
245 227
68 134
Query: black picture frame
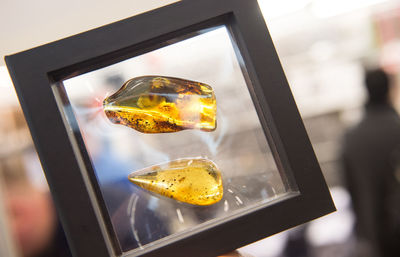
34 73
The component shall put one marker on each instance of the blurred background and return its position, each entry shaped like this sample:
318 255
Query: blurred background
324 48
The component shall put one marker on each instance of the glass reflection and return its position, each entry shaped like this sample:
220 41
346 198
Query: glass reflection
237 146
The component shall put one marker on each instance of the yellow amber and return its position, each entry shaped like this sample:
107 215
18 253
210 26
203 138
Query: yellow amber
194 181
152 104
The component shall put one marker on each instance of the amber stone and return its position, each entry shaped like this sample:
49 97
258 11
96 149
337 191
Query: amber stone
195 181
154 104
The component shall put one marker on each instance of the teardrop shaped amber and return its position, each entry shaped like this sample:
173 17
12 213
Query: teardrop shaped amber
195 181
154 104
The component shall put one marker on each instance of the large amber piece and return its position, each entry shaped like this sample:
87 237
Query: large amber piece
194 181
152 104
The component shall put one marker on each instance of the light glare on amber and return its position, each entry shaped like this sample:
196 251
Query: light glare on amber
152 104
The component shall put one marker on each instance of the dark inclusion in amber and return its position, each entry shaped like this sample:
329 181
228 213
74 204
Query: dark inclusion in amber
195 181
154 104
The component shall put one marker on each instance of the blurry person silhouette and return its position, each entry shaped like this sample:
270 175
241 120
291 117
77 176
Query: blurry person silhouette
369 161
32 216
296 244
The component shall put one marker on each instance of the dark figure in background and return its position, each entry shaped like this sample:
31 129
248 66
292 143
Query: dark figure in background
32 217
369 157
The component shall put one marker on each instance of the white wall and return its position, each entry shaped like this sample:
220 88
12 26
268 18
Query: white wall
25 24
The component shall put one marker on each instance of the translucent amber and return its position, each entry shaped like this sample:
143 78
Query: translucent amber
152 104
194 181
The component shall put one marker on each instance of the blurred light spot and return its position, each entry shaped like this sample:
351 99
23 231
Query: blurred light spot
329 8
7 93
180 217
322 50
272 9
226 206
238 200
268 247
335 228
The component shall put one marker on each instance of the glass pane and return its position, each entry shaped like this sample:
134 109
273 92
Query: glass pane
238 146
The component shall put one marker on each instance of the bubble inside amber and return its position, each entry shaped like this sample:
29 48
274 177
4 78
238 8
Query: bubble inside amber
154 104
195 181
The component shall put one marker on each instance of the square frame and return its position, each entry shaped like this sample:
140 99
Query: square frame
82 212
